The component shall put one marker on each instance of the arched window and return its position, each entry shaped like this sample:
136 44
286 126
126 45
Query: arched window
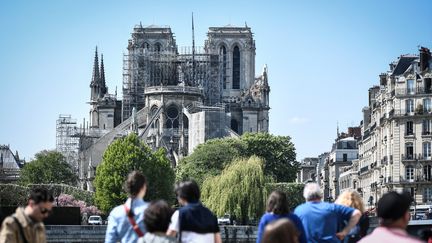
236 68
172 115
158 47
234 125
185 122
146 45
223 57
153 111
409 173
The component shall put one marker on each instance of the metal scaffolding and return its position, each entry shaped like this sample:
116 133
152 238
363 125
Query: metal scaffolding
67 142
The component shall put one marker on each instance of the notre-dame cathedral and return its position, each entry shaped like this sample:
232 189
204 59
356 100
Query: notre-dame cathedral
176 97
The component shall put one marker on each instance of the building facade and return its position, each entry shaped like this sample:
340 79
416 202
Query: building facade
176 97
10 165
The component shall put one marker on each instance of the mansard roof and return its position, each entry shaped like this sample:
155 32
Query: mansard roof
403 64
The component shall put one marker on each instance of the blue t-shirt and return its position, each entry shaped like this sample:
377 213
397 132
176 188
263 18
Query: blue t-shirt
321 220
270 217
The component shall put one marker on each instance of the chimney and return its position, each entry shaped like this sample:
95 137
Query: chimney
383 79
425 56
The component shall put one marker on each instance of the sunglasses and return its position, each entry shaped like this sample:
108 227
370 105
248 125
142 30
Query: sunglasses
45 211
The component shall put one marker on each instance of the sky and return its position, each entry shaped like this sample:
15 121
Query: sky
322 57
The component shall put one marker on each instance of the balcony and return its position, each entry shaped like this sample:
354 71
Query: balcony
408 157
364 169
424 157
400 92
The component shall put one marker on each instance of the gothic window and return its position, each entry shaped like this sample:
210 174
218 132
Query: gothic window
158 47
185 122
427 172
223 57
410 86
172 115
427 105
146 45
236 68
426 127
153 111
409 128
409 149
409 105
409 173
234 125
427 150
427 195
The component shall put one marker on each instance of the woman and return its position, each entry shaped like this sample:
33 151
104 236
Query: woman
156 219
351 198
277 208
281 231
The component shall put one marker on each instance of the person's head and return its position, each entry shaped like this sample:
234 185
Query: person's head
393 209
187 192
351 198
39 204
281 231
277 203
157 216
312 192
136 184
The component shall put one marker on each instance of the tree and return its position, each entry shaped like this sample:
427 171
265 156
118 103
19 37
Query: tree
240 190
294 192
277 151
48 167
123 156
209 159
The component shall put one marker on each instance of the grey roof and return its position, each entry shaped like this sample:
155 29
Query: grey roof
403 64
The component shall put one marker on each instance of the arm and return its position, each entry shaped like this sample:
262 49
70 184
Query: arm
355 216
111 232
8 230
217 238
261 227
174 227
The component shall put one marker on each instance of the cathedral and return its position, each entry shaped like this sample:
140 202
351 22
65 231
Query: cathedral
176 97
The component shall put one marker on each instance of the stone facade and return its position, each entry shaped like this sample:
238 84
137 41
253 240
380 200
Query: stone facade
177 97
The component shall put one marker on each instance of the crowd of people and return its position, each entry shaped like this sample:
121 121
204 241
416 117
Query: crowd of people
313 221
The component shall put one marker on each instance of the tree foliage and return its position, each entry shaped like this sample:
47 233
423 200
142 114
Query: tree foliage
240 190
123 156
48 167
277 151
294 192
209 159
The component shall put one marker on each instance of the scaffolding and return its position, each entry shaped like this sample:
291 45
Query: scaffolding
67 143
191 66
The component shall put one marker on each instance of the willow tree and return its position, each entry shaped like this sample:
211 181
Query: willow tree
123 156
239 190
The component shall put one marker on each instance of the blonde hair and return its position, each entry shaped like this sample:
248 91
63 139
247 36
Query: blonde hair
351 198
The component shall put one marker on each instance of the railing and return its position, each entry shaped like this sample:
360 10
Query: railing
403 113
364 169
417 90
408 156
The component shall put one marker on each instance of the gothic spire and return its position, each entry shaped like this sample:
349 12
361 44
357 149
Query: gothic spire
102 78
96 76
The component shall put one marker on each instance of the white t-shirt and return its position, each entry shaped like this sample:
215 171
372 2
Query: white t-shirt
188 236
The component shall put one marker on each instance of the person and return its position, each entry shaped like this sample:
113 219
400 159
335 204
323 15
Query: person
351 198
156 220
393 210
321 219
125 222
281 230
26 225
193 222
277 208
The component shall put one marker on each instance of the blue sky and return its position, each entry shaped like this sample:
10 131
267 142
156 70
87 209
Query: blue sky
322 57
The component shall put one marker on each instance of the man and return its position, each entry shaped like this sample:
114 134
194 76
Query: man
26 224
321 219
394 214
193 222
125 222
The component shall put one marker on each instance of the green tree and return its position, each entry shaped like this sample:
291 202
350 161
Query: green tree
240 190
120 158
48 167
294 192
277 151
209 159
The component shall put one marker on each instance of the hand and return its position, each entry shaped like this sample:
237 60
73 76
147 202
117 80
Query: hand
341 235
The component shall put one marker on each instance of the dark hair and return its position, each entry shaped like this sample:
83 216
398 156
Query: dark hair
134 183
157 216
41 195
393 206
277 203
188 190
281 231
